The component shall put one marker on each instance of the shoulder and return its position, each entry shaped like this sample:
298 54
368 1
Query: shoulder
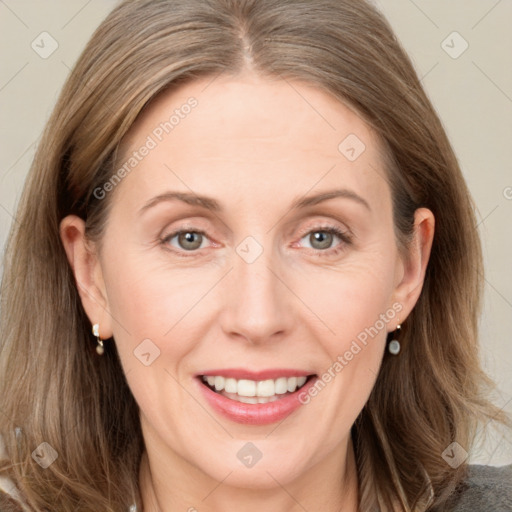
485 488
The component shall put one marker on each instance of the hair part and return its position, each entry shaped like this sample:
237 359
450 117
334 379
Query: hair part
52 384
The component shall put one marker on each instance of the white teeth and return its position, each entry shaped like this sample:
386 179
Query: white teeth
246 388
219 383
266 388
250 399
230 386
265 399
281 385
247 399
254 390
292 384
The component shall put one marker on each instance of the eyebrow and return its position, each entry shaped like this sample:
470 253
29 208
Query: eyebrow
212 204
192 199
330 194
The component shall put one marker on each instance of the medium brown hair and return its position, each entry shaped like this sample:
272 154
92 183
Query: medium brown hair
55 389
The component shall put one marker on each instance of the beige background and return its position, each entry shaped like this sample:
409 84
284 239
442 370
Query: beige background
471 91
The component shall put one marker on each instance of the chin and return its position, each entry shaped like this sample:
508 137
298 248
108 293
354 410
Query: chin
277 470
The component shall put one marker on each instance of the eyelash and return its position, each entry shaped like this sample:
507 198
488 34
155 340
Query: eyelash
345 237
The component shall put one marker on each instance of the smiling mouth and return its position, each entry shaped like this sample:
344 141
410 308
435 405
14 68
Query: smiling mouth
254 392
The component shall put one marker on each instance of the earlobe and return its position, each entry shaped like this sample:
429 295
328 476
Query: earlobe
86 268
414 262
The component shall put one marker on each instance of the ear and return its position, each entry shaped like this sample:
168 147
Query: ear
85 264
412 266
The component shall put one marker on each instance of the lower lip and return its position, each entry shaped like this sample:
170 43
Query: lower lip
255 414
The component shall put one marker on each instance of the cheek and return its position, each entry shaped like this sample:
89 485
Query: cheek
159 313
354 303
352 298
154 302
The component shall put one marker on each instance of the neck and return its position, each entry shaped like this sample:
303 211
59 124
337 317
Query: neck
329 486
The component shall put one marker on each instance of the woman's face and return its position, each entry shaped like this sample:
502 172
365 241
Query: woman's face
279 261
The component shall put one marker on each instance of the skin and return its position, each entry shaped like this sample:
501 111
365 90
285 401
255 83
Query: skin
255 145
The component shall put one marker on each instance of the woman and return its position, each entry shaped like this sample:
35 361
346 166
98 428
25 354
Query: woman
244 275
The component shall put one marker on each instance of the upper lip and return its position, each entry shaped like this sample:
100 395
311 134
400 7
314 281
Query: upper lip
241 373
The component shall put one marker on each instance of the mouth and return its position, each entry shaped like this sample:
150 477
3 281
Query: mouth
254 397
250 391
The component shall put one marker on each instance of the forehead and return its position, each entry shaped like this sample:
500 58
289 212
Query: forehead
258 133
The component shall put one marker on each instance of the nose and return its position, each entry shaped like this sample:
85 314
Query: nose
258 305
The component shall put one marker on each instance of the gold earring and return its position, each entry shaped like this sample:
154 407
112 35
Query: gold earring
96 331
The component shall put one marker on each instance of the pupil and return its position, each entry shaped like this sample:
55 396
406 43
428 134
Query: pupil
188 239
322 237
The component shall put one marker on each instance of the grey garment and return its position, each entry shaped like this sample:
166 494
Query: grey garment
485 489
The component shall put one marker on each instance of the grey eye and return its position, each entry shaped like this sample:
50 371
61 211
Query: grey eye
320 239
188 240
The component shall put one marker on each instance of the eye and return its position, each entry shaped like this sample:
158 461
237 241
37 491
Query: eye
186 240
322 239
